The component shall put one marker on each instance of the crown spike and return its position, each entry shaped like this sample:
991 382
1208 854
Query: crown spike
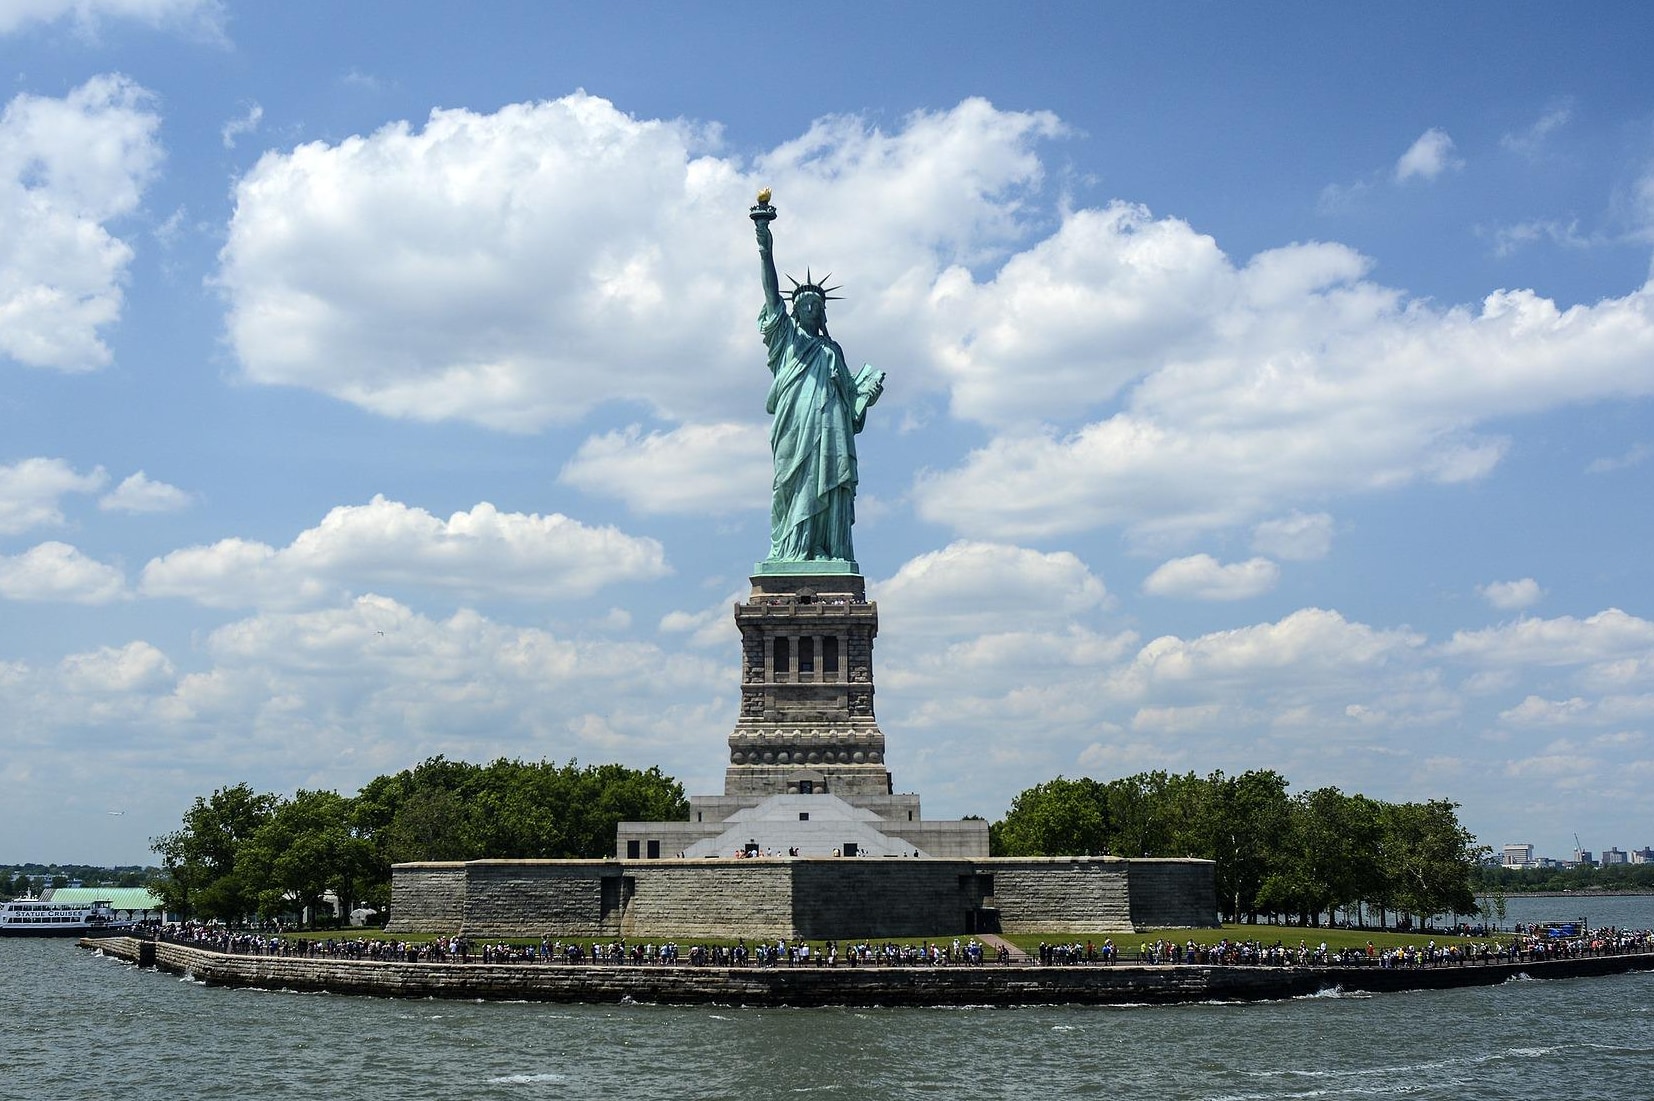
810 286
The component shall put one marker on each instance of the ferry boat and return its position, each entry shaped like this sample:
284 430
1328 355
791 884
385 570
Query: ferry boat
30 917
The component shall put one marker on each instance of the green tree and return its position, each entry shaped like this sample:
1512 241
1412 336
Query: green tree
1060 817
430 824
423 813
1247 818
453 810
1141 817
199 859
306 848
1429 858
1328 856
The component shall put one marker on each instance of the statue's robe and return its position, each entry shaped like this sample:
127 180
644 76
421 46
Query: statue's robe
812 398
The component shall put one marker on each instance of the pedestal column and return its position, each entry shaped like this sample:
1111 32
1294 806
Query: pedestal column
806 719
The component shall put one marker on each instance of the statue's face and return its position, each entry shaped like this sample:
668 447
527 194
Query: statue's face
808 311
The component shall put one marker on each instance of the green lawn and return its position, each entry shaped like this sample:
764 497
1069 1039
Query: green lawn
1126 943
1290 935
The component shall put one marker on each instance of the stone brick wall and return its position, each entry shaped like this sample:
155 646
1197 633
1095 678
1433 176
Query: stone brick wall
815 898
1073 894
427 898
1173 893
882 898
541 898
712 898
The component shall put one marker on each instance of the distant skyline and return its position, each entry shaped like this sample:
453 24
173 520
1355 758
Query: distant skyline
1267 388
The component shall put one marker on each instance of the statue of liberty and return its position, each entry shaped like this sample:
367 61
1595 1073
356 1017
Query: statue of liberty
818 406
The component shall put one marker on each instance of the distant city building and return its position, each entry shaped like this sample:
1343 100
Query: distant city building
1584 858
1644 855
1615 856
1517 856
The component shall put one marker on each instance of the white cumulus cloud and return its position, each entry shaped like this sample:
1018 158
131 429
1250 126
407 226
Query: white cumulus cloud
232 130
1296 538
57 571
1536 710
202 16
1428 157
1510 596
518 268
709 627
1212 396
346 693
1606 636
31 492
698 469
141 493
480 553
68 168
1202 577
972 588
1309 643
110 670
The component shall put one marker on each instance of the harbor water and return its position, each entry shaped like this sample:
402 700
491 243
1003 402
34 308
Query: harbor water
79 1024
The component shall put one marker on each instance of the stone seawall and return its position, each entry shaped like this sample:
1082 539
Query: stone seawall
997 985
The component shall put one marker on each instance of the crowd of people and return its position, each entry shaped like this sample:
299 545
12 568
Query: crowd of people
1529 944
460 949
1068 954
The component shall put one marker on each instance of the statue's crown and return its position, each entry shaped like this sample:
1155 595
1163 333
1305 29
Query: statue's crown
810 286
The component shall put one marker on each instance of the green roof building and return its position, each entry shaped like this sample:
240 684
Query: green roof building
135 902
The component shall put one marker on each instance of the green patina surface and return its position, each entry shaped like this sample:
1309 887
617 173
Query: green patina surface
817 405
119 898
815 567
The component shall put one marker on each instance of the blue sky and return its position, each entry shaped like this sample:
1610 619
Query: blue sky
1267 388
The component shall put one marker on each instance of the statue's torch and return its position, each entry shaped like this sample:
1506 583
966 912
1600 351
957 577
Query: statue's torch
762 211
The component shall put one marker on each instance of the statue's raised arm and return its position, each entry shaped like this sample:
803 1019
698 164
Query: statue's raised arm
819 406
762 215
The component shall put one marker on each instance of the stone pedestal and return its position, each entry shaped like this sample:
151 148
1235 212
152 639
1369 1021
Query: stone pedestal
806 771
806 723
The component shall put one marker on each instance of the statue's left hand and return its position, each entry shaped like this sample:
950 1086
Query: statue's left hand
871 384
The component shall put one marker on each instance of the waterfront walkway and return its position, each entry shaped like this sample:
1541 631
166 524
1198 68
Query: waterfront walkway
814 985
976 950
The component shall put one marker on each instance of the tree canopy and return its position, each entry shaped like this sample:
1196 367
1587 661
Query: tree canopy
239 853
1303 855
